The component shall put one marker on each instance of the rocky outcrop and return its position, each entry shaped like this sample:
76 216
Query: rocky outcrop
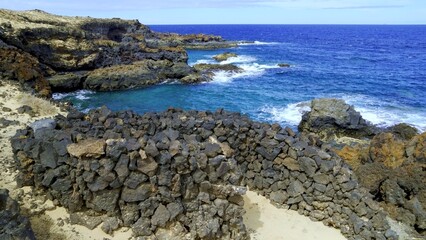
224 56
20 66
190 41
12 224
197 78
135 75
188 170
333 118
403 131
35 45
66 82
389 169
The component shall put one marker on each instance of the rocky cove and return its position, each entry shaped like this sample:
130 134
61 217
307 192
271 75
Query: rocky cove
187 171
57 53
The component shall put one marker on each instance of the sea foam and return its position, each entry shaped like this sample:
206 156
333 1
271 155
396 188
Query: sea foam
370 108
257 43
80 94
249 70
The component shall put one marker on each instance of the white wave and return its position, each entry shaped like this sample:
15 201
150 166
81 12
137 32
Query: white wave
291 114
371 109
251 69
239 59
385 113
205 61
80 94
257 43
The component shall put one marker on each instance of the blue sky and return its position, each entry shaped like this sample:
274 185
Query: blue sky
238 11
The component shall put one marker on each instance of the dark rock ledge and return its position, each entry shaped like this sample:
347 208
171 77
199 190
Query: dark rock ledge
188 170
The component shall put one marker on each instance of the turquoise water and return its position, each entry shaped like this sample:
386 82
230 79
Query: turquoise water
378 69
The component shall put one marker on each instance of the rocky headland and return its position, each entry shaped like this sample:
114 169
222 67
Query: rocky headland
58 53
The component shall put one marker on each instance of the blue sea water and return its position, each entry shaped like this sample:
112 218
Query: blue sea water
381 70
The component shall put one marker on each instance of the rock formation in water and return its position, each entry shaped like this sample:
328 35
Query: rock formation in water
69 53
224 56
333 118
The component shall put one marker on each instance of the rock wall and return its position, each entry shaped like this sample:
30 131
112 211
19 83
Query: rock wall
190 168
12 224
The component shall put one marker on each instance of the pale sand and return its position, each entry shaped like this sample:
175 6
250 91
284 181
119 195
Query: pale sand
265 221
262 219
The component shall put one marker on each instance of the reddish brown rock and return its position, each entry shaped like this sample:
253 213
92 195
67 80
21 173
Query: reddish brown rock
385 148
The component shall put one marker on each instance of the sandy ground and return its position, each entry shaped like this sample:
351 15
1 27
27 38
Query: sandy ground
263 220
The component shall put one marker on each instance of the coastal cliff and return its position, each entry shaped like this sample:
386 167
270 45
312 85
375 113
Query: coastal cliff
62 53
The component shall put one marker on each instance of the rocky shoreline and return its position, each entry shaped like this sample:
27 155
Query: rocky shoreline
57 53
183 174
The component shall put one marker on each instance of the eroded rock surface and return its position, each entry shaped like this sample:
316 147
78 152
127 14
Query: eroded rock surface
35 45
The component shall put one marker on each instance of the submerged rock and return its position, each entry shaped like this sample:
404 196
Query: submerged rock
204 67
224 56
196 78
284 65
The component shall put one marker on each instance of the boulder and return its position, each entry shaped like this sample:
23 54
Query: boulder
161 216
87 148
43 124
333 118
224 56
403 131
196 78
83 219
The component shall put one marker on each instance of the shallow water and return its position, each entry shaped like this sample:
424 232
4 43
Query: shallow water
378 69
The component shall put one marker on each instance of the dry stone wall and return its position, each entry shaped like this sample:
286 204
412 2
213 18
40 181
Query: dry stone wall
189 169
13 225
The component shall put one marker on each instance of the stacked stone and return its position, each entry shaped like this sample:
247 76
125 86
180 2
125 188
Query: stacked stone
147 171
298 174
12 224
189 168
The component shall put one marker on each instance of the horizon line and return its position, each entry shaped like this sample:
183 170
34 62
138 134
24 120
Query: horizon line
288 24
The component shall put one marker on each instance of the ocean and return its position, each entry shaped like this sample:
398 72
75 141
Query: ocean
381 70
